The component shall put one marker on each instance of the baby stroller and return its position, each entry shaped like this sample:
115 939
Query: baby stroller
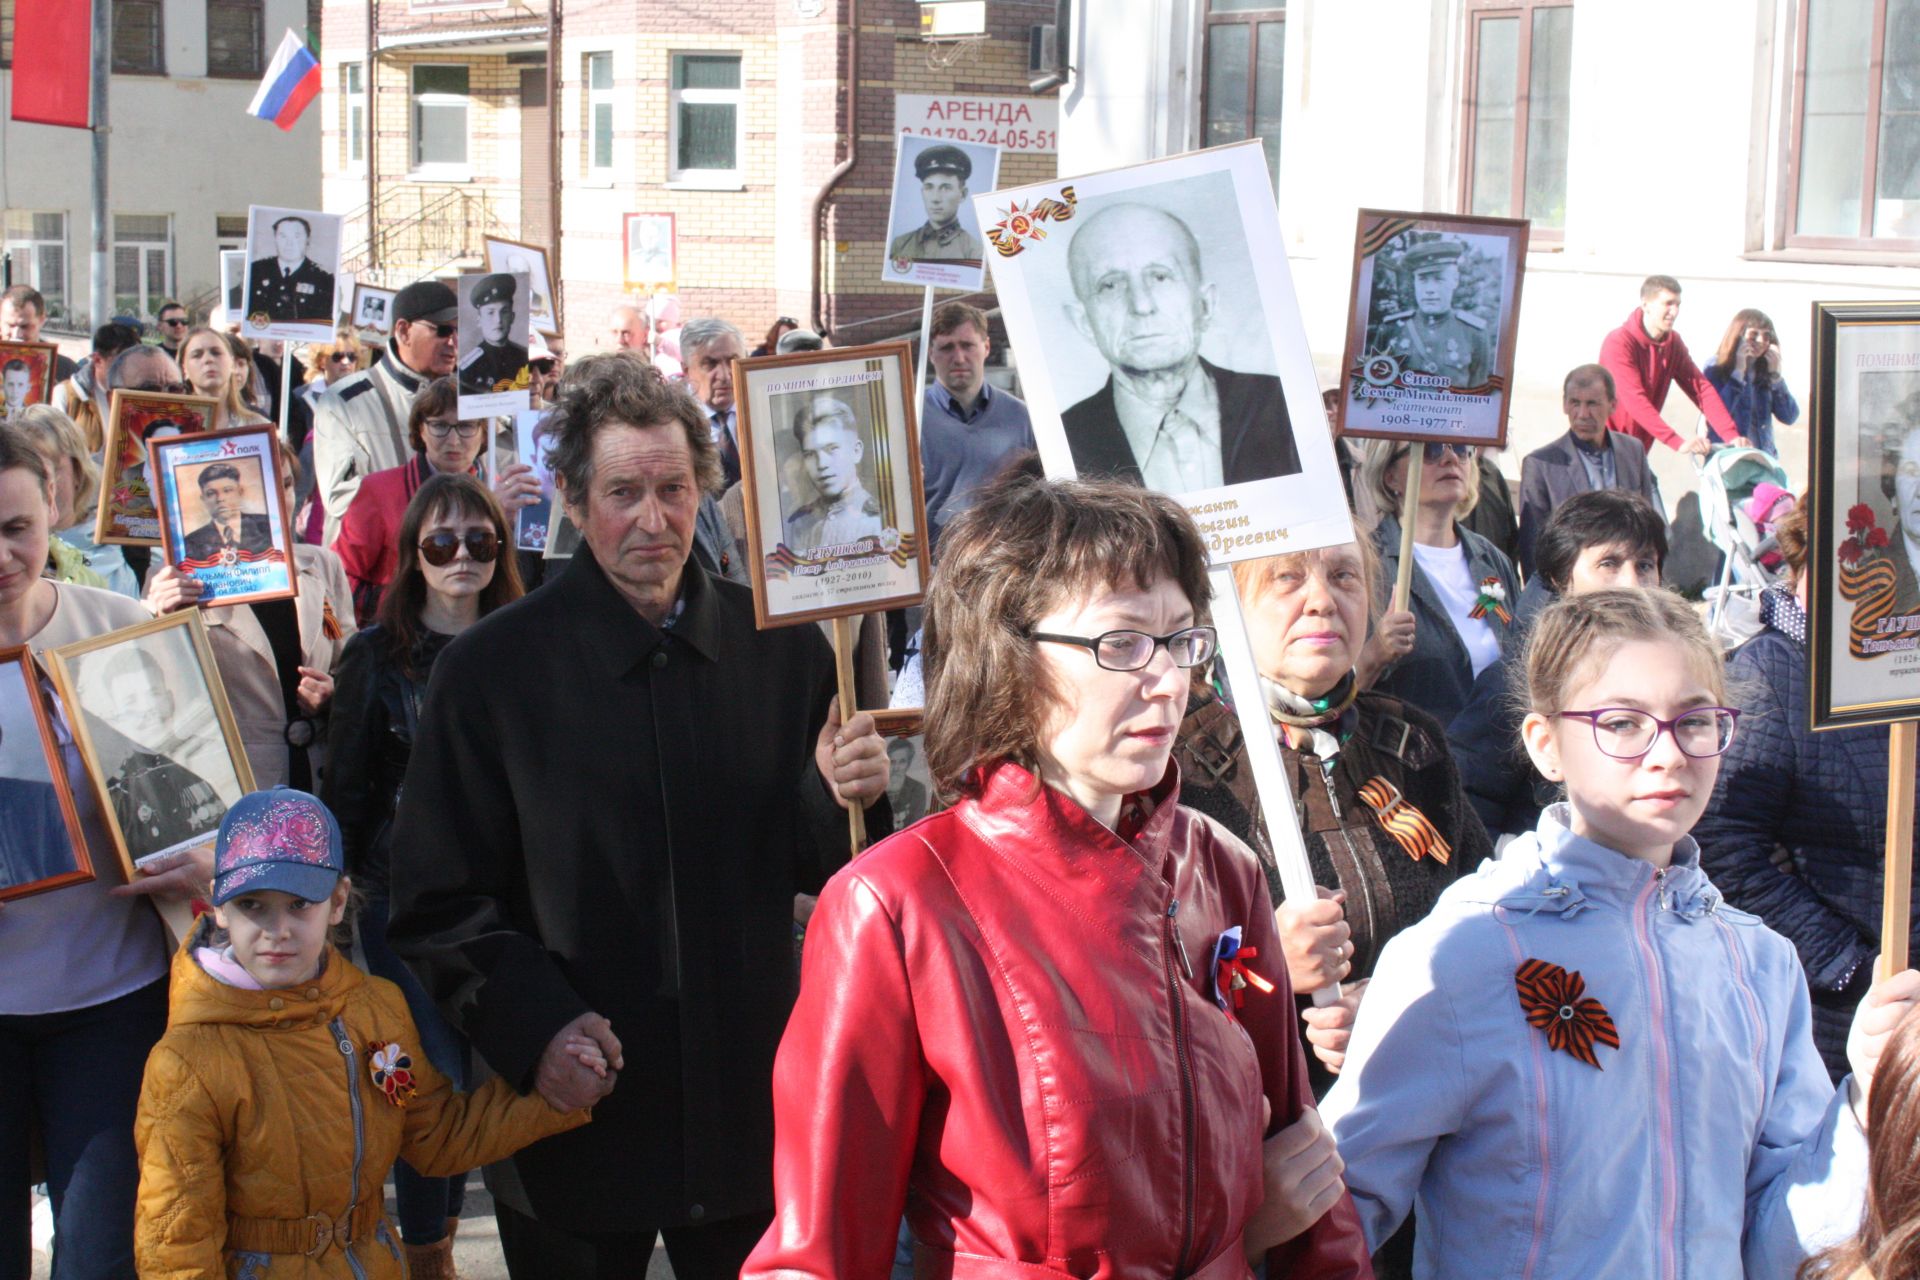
1728 478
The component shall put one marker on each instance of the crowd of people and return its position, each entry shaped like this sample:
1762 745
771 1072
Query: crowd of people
549 868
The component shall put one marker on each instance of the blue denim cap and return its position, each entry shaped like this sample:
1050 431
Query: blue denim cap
283 840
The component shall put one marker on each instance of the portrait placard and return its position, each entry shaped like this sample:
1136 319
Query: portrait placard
652 253
26 375
292 258
909 785
41 843
372 310
830 464
933 232
223 520
129 511
530 260
493 370
1160 340
533 523
1863 590
1431 325
151 720
233 283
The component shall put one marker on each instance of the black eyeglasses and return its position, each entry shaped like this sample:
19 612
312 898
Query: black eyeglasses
439 549
441 430
168 388
1132 650
1628 734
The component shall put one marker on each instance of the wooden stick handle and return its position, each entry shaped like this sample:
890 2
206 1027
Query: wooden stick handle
1896 914
1409 501
843 664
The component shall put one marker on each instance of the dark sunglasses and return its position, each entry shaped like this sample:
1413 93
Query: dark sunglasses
175 322
1434 450
439 549
439 330
541 366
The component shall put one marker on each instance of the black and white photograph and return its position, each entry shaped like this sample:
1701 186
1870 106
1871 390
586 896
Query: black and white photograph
1159 339
233 283
909 785
492 364
222 521
649 261
292 258
1431 327
529 260
830 462
373 309
41 846
533 523
1863 592
933 233
151 719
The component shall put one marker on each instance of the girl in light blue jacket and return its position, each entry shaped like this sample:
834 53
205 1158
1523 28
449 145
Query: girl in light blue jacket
1583 1063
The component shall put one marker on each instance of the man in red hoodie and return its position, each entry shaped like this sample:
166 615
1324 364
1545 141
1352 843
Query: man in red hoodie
1646 357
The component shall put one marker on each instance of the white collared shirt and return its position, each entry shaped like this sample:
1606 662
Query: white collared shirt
1177 448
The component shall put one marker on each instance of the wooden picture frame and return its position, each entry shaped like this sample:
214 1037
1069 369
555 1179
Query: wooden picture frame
1409 351
151 728
128 515
41 359
371 297
649 267
542 308
1863 607
35 801
258 565
813 555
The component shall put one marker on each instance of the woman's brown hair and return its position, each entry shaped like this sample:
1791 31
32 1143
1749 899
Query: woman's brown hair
1888 1246
238 412
443 496
442 395
1729 351
1025 547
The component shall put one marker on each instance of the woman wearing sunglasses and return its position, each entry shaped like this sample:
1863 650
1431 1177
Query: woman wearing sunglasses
455 567
1460 615
1051 1024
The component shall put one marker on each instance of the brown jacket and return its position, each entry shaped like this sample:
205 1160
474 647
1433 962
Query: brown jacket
265 1142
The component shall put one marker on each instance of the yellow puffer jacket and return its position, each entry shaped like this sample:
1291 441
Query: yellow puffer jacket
265 1139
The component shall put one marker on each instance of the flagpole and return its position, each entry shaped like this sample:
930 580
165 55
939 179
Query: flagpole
101 297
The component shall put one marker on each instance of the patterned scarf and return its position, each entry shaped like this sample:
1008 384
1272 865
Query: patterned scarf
1315 715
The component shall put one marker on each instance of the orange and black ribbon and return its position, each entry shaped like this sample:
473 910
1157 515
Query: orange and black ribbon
1556 1002
1493 599
329 624
1413 830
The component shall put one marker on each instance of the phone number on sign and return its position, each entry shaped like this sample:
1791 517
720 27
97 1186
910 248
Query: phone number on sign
1006 139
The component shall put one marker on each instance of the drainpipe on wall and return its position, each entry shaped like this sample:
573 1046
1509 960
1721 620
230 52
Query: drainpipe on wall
818 217
373 141
555 274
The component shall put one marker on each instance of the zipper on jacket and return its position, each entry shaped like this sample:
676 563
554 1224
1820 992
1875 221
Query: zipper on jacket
1655 891
1340 820
1187 1101
339 1029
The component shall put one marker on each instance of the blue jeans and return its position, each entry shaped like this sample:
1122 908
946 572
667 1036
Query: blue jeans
73 1079
424 1203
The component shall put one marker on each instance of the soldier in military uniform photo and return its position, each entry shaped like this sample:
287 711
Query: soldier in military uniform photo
157 801
1433 337
229 530
16 385
496 362
290 287
943 174
831 451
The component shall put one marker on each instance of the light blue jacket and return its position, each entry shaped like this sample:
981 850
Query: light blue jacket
1708 1141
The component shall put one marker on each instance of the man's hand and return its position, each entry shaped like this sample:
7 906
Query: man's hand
315 691
564 1079
184 875
852 759
169 591
1697 447
1887 1004
1329 1027
1315 940
516 487
1302 1183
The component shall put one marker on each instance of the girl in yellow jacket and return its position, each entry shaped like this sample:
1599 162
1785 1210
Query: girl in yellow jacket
288 1081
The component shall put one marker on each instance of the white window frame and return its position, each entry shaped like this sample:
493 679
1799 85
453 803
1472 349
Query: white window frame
26 257
706 179
148 304
597 98
353 102
438 170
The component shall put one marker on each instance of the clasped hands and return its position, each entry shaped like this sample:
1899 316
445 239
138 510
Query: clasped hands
580 1065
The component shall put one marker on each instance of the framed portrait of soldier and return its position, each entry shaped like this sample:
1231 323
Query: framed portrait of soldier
129 508
233 283
1431 327
372 310
1160 341
1863 558
293 256
830 469
223 521
151 720
651 252
41 843
529 260
26 375
933 232
492 361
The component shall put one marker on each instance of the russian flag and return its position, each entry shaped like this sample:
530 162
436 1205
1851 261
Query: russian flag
292 81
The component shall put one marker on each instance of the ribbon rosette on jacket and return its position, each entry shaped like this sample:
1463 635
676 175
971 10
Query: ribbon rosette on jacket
1556 1002
1232 975
1493 599
392 1070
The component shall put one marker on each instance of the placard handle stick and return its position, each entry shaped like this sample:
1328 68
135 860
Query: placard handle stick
843 665
1263 754
1896 912
1409 501
926 328
286 392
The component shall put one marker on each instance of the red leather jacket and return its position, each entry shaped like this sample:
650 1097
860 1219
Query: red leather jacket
996 1032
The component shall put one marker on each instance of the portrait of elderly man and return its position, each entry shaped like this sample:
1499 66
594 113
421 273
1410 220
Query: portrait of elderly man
610 845
229 529
290 286
943 174
830 452
1166 417
1433 337
1900 481
496 362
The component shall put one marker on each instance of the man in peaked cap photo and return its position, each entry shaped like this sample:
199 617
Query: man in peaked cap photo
290 286
943 173
496 362
1433 337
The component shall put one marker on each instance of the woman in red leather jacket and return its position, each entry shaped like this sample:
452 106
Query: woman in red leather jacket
1052 1023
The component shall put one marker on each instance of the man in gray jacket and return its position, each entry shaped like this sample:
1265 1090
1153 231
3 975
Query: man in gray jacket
1588 457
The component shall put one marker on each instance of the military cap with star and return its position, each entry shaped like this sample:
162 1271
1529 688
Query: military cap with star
498 287
1431 255
942 160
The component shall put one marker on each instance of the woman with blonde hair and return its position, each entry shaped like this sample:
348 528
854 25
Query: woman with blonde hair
76 556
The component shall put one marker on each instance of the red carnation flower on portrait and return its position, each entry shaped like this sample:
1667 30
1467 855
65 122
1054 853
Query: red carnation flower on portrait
1877 538
1859 516
1849 552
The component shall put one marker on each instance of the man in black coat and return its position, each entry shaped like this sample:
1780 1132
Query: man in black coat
617 789
227 527
1165 417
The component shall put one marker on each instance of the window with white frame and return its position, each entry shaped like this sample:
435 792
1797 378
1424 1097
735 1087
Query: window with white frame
706 118
1855 175
38 245
599 78
353 114
439 117
142 262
